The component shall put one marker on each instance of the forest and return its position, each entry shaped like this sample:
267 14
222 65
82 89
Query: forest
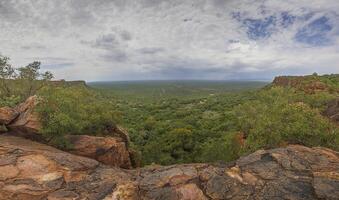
181 121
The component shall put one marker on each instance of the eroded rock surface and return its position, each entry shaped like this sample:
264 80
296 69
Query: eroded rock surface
29 170
108 150
7 115
27 124
298 82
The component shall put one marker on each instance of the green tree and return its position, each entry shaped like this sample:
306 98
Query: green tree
7 73
32 79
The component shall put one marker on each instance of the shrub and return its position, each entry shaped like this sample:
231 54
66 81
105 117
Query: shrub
274 120
74 110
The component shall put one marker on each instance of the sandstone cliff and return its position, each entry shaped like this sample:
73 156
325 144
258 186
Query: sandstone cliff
300 83
30 170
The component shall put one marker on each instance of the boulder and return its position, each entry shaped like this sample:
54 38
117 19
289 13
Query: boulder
29 170
7 115
332 110
27 124
111 151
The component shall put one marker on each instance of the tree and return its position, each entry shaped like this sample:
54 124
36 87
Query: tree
7 72
32 79
23 81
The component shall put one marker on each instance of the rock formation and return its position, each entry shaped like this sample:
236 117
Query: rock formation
332 110
298 82
30 170
7 115
112 150
27 124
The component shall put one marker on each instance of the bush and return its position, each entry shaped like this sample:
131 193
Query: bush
274 120
226 148
10 101
74 110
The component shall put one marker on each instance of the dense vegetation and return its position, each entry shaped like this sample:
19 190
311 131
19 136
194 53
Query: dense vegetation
16 84
181 121
74 110
187 127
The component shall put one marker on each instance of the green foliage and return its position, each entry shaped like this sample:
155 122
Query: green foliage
74 110
10 101
226 148
274 119
7 72
201 127
21 82
31 79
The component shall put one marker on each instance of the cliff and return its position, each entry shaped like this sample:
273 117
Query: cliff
30 170
310 84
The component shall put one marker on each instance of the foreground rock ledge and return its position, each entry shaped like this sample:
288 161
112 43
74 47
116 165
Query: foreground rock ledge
29 170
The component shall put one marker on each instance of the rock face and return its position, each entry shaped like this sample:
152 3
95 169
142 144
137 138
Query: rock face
7 115
108 150
332 110
297 82
30 170
27 123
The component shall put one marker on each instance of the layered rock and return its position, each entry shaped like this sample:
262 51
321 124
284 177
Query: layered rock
27 124
7 115
30 170
298 82
112 151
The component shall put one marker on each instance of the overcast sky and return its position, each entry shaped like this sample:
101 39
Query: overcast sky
174 39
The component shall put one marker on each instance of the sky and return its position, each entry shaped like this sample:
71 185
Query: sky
103 40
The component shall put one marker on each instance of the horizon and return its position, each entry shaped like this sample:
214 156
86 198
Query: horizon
180 80
129 40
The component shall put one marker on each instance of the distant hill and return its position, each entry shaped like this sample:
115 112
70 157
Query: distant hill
68 83
310 83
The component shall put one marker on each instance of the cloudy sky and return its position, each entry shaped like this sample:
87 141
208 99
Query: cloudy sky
174 39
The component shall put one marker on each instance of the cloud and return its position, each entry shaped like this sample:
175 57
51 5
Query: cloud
57 66
106 42
177 39
151 50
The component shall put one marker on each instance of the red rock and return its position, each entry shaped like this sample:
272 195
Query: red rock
111 151
27 124
7 115
30 171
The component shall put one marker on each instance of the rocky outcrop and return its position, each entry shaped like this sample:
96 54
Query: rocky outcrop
29 170
7 115
23 121
332 110
302 83
111 151
27 124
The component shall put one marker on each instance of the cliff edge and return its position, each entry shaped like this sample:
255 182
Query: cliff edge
30 170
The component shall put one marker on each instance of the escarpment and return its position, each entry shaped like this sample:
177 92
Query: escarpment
31 170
